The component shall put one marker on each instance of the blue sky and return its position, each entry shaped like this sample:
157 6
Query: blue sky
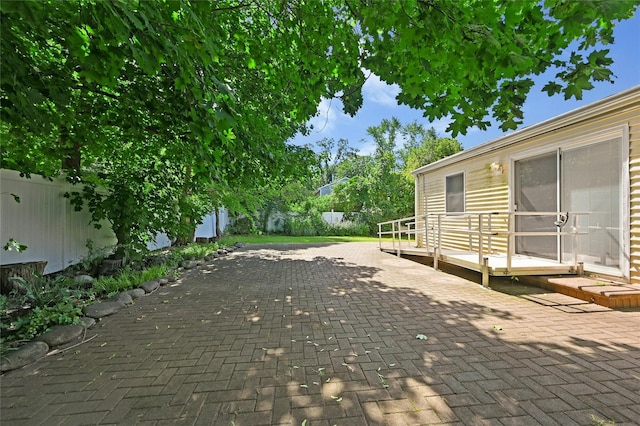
379 101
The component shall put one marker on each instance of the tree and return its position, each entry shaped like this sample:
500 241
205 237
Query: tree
423 146
208 92
381 187
105 90
331 155
474 59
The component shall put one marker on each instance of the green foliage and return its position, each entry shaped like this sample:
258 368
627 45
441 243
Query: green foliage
52 301
151 107
490 53
307 224
109 285
90 262
154 272
196 251
12 244
126 279
242 226
42 291
348 228
381 187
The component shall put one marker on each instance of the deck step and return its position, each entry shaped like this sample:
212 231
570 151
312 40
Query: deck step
605 293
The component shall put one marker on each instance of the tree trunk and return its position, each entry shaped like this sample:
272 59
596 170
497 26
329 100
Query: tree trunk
72 156
123 237
216 211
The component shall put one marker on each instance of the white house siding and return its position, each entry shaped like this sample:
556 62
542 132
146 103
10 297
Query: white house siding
486 190
633 117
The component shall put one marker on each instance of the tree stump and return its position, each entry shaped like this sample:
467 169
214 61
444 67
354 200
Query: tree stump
29 271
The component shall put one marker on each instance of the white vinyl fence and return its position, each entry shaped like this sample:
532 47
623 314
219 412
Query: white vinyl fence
45 222
52 230
207 229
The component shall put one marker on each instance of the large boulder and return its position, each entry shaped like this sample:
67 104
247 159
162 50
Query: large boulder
123 298
150 286
25 354
99 310
61 334
136 293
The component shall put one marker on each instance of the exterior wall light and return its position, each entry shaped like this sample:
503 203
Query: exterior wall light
497 169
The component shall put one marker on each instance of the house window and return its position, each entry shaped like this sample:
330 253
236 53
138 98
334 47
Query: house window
454 193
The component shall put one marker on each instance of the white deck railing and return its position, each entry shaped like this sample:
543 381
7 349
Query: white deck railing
481 230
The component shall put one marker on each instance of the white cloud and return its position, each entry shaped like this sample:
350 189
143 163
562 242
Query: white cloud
379 92
441 125
368 148
328 113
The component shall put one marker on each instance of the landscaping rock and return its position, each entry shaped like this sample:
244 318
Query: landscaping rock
163 281
222 252
187 264
26 354
83 280
123 298
230 249
87 322
210 257
99 310
150 286
136 293
172 277
61 334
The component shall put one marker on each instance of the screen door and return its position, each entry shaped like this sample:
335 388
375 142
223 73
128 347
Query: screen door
536 190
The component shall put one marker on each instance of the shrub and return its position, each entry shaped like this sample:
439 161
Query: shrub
196 251
310 224
348 229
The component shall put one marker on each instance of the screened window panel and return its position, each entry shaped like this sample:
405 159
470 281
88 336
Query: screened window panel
455 193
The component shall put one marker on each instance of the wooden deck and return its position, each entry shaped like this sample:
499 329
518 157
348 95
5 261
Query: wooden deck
496 263
541 273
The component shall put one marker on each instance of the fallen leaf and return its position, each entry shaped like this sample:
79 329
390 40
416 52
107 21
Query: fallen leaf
497 328
421 337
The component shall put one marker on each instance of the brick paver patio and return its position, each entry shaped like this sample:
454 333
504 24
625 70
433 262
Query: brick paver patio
326 334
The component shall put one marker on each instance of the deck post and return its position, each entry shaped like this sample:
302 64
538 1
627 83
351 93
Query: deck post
574 229
399 238
480 240
436 256
489 248
426 232
511 239
393 235
380 236
485 272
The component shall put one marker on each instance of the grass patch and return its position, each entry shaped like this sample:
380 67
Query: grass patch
285 239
